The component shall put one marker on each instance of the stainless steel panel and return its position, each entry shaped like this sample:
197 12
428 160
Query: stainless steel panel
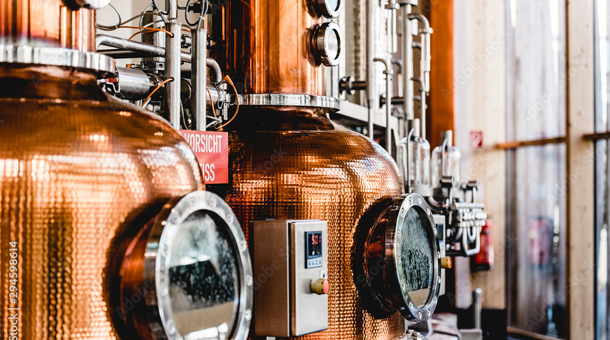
309 310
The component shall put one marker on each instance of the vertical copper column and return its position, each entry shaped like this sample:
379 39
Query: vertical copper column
275 57
46 23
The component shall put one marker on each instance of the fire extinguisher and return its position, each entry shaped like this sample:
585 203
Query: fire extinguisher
484 260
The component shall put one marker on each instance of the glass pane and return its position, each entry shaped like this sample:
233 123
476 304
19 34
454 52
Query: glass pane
417 256
601 221
536 69
536 245
203 279
602 76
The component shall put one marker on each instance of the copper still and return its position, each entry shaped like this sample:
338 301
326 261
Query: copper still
291 161
269 46
80 174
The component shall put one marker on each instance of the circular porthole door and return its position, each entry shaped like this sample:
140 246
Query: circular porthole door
195 272
397 259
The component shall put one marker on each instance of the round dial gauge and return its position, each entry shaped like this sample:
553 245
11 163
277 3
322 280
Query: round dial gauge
397 261
196 271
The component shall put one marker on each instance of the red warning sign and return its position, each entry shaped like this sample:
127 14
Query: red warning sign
212 151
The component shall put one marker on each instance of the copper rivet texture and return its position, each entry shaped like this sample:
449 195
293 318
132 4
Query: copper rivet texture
294 164
80 174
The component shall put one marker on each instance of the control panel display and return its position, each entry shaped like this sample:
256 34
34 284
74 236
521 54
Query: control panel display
313 248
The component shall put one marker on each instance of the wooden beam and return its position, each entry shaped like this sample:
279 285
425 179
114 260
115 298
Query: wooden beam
580 188
441 99
517 144
484 86
519 333
592 137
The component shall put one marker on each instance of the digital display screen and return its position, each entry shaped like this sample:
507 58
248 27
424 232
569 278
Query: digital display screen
313 249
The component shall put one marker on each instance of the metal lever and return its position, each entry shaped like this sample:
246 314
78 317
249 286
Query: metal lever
471 186
349 85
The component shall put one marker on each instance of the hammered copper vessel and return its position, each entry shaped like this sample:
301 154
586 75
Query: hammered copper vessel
80 173
290 163
293 162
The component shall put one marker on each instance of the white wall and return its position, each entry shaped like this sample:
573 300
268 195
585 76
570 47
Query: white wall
127 8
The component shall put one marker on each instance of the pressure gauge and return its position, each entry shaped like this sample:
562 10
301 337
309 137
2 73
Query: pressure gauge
192 266
327 8
327 44
397 260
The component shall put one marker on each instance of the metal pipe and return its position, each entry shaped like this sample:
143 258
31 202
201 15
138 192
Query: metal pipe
198 77
407 57
173 8
388 107
211 63
426 57
371 93
124 44
407 166
477 301
172 70
187 92
123 54
153 38
135 84
395 101
397 62
422 106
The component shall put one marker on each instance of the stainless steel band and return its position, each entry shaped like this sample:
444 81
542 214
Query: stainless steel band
298 100
55 56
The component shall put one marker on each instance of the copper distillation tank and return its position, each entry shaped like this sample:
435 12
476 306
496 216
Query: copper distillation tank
288 161
103 221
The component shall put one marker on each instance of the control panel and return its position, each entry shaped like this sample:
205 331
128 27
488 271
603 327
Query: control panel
291 280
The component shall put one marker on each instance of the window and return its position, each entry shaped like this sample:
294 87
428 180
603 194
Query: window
536 73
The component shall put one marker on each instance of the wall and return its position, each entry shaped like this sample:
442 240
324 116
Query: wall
480 88
127 8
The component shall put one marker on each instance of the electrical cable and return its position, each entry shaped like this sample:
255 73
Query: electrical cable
111 28
147 100
228 80
203 13
148 30
154 3
212 101
117 26
188 127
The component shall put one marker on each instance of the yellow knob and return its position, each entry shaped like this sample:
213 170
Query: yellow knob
446 263
320 286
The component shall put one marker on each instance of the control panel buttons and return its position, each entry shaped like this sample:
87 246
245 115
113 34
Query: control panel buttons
320 286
